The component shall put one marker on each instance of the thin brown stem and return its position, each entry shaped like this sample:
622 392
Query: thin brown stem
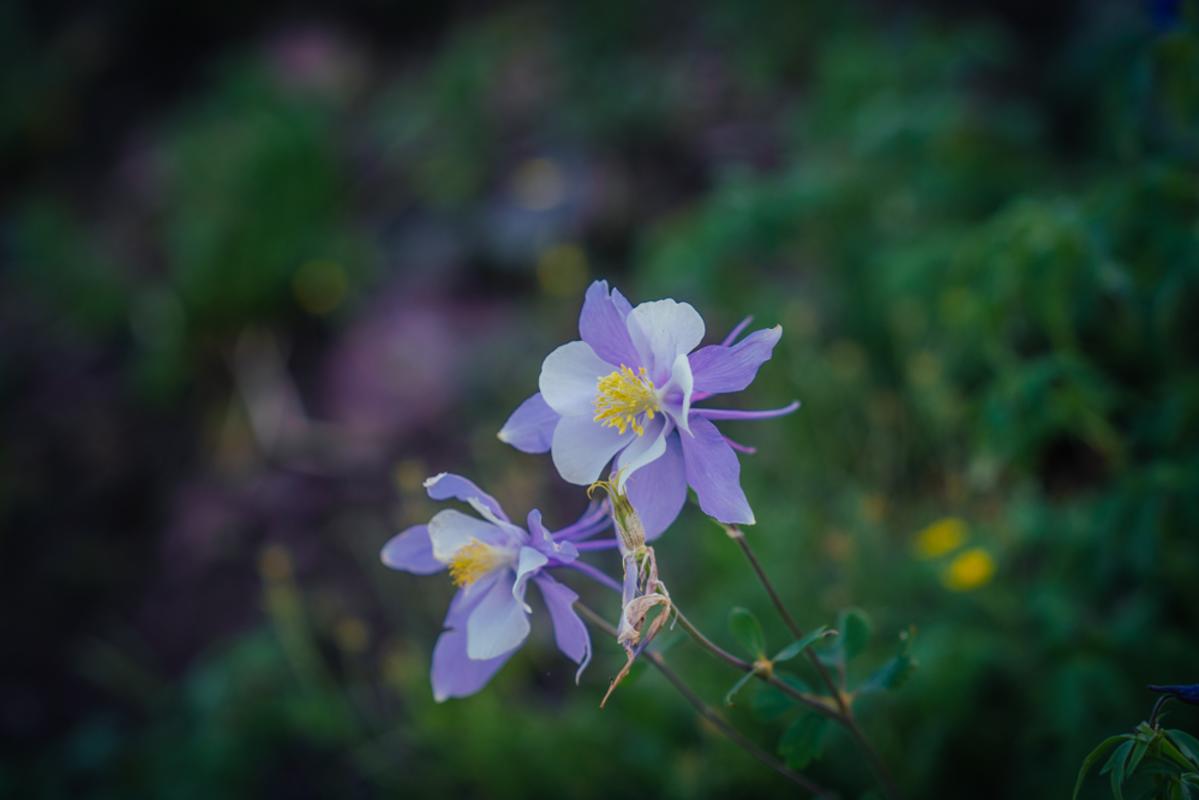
738 536
745 666
846 716
701 708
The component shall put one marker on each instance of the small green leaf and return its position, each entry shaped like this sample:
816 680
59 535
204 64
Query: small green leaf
769 703
1090 760
1117 764
1138 752
1185 742
748 631
855 629
897 671
795 648
1171 750
731 693
1110 764
803 740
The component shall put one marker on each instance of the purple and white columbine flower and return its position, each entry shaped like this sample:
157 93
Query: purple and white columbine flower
626 392
492 561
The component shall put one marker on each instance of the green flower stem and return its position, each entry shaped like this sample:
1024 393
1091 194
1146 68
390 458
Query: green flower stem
701 708
847 718
746 666
738 536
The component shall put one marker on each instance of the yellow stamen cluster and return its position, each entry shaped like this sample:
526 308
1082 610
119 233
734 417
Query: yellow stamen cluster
472 561
623 396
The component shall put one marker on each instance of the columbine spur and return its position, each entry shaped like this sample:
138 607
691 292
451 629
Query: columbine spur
492 561
626 392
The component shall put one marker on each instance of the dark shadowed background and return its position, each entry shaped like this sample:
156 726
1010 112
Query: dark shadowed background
264 268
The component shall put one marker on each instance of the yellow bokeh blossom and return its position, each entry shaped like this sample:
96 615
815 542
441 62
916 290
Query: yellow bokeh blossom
943 536
969 570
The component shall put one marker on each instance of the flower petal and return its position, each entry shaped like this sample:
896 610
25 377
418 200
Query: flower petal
539 537
454 674
658 490
644 449
447 486
527 564
569 631
497 625
569 376
661 331
714 473
602 325
451 529
582 447
676 394
411 551
531 426
720 369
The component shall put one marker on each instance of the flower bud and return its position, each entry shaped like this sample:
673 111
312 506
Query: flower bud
624 517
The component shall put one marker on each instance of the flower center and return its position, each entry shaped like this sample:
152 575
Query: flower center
623 396
472 561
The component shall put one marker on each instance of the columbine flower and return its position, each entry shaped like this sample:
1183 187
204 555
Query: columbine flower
626 391
492 561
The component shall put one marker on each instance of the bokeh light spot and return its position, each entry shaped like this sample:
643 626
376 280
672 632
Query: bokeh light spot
538 184
562 270
320 286
969 570
274 562
943 536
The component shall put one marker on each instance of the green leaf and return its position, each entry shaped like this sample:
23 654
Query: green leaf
855 629
1185 742
897 671
803 740
798 646
769 703
748 631
1138 752
1090 760
1116 764
731 693
1174 754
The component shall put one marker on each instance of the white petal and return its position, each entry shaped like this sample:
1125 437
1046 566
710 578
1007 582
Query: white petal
676 395
582 447
527 564
644 450
450 529
663 330
497 625
569 376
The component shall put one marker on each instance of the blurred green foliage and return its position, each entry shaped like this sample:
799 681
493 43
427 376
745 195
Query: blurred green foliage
987 274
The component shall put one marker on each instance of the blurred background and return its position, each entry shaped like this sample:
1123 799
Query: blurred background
263 268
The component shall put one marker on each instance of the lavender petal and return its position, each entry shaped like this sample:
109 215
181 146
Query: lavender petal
658 490
448 486
735 332
602 325
531 426
719 369
569 631
715 474
411 551
454 674
729 413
